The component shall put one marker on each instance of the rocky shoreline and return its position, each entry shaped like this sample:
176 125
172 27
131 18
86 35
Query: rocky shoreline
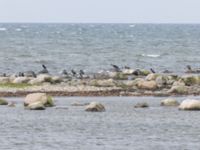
126 82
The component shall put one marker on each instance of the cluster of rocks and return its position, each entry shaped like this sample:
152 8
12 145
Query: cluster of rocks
39 101
188 104
131 82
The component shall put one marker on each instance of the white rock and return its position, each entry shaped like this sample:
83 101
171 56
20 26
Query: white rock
169 102
190 104
38 97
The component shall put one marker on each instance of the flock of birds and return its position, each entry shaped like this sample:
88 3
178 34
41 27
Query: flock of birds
81 74
44 70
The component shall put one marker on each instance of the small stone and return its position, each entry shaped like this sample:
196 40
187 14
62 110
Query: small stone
169 102
141 105
95 107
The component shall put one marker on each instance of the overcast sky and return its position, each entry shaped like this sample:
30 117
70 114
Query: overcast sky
101 11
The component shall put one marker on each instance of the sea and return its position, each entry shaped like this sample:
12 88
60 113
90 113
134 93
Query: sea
120 127
94 47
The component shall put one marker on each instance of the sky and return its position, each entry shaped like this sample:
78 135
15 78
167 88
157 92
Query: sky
100 11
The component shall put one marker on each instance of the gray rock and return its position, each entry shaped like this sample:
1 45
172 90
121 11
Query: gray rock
95 107
141 105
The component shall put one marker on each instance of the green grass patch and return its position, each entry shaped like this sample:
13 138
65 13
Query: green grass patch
14 85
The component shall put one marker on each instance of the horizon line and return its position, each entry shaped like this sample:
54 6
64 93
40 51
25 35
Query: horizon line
20 22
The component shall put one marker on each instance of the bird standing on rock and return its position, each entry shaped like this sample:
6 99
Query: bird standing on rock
73 73
44 70
116 68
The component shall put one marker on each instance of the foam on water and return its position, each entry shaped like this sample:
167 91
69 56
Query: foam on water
3 29
151 55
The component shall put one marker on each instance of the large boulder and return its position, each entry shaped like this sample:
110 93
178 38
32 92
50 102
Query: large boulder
95 107
190 104
169 102
38 105
46 100
147 85
19 80
3 102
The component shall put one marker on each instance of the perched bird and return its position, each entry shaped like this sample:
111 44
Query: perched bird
64 72
3 75
81 73
152 70
190 70
116 68
20 74
73 72
44 70
126 67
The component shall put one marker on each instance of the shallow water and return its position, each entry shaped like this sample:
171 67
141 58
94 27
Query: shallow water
121 127
94 47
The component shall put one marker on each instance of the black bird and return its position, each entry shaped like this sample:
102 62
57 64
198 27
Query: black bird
20 74
44 70
116 68
73 72
82 72
152 70
64 72
126 67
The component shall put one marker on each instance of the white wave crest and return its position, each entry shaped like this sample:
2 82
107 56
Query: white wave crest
132 26
151 55
18 29
3 29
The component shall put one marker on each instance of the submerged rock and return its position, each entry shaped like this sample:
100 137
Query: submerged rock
95 107
38 105
169 102
141 105
80 104
190 104
11 104
3 102
46 100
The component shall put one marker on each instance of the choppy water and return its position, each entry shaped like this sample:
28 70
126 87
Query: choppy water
120 127
94 47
